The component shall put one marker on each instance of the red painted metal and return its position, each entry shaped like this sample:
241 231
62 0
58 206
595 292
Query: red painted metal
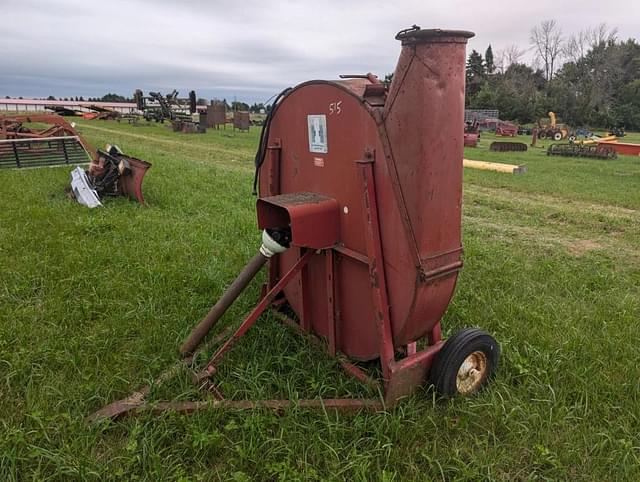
418 188
369 182
471 139
506 129
624 148
471 134
313 218
258 310
398 246
133 170
13 127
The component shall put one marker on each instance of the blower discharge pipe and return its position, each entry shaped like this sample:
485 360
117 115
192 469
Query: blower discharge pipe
273 242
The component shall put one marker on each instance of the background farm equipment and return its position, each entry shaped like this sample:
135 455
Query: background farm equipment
507 129
48 140
553 130
508 146
63 111
361 230
599 151
617 131
22 145
157 107
216 114
580 132
101 113
525 131
471 134
241 121
624 148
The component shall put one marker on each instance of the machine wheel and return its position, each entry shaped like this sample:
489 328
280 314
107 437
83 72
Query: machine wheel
572 138
467 361
542 135
557 136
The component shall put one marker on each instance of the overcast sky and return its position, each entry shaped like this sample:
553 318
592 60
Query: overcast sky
248 49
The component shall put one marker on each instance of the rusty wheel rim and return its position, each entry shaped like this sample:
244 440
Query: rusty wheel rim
472 373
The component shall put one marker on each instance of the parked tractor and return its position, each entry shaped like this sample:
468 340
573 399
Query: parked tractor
553 130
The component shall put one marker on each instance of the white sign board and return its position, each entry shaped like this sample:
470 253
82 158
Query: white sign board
317 125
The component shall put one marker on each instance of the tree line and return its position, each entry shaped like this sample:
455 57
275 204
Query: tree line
591 78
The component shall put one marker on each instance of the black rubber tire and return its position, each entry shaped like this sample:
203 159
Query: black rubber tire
557 136
455 350
542 135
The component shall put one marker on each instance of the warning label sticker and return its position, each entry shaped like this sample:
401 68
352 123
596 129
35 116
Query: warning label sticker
317 125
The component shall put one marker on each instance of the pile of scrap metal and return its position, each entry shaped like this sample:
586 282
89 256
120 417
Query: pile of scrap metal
599 151
471 133
507 146
182 113
49 140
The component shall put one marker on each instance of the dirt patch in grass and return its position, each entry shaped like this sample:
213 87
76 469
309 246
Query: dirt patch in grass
578 248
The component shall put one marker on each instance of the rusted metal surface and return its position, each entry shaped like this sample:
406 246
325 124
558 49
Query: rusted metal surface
63 111
506 129
111 173
341 404
624 148
241 120
375 220
17 127
139 397
216 115
101 113
188 126
472 373
471 133
498 146
409 373
222 305
50 151
421 210
471 139
258 310
314 218
600 151
132 174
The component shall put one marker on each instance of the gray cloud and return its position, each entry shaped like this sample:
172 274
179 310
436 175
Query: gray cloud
249 49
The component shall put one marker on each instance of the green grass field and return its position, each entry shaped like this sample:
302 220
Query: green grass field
94 303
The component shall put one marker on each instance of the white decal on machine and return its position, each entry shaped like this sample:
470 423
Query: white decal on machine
317 126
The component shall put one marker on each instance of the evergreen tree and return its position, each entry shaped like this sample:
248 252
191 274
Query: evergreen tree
475 74
488 60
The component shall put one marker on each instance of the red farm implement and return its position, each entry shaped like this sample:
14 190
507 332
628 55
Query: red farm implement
361 230
49 140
